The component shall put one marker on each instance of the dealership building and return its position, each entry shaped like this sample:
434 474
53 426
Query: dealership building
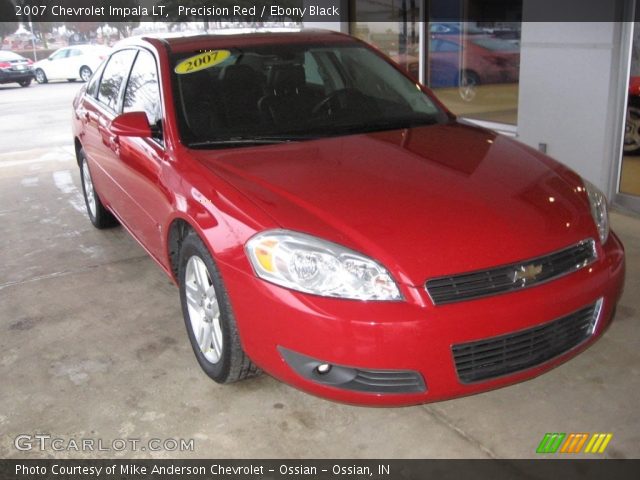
559 83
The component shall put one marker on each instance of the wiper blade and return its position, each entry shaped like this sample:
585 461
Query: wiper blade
257 140
234 141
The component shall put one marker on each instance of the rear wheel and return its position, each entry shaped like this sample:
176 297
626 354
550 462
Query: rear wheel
100 217
208 316
85 73
25 83
41 77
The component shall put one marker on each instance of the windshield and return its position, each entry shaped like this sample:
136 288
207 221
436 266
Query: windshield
266 94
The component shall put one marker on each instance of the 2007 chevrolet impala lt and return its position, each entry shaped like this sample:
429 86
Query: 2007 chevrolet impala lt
327 220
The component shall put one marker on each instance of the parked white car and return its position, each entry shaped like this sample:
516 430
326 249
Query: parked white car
71 63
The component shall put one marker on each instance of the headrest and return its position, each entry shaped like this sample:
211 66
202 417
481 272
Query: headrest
286 78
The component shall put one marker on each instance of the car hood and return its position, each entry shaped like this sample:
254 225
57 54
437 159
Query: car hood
425 201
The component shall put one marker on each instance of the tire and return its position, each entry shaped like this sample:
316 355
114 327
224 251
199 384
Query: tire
85 73
25 83
468 85
208 316
98 214
41 77
631 144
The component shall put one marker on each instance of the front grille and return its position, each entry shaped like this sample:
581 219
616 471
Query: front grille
511 277
517 351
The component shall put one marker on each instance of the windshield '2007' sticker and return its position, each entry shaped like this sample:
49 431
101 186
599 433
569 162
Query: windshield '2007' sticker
202 61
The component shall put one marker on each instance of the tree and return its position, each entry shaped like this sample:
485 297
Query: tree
42 29
7 10
124 28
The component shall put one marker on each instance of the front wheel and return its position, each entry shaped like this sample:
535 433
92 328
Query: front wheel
25 83
41 77
98 214
85 73
208 316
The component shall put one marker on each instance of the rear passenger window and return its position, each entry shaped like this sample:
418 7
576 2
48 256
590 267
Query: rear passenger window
92 86
143 93
115 72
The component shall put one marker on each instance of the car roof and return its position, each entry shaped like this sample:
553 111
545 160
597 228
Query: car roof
236 37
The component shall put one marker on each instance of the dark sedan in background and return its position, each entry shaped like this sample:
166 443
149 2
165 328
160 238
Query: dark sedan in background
15 69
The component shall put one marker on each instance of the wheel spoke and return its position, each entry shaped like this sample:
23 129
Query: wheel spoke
214 309
192 298
205 338
216 336
201 276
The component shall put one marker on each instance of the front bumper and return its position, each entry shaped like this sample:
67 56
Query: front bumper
410 336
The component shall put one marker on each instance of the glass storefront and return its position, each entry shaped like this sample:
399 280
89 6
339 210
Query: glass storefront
630 169
473 67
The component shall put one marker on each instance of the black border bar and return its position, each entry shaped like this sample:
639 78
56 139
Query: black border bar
111 469
258 11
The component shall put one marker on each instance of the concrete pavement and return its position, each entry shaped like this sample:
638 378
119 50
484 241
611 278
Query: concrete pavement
92 345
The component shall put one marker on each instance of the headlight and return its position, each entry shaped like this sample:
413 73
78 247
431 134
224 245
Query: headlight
308 264
599 210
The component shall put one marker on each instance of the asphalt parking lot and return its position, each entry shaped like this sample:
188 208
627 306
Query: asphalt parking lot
93 345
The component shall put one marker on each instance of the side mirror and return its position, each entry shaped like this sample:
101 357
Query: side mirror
131 124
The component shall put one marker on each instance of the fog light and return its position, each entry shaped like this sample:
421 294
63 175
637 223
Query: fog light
323 368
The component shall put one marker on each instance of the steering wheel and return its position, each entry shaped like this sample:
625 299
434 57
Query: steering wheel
337 100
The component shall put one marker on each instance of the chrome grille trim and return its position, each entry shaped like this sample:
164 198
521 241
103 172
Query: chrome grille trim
512 277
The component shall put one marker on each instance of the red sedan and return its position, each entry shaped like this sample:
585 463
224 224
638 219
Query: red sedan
328 221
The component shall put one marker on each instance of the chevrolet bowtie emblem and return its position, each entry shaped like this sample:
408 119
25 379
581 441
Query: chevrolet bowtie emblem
526 274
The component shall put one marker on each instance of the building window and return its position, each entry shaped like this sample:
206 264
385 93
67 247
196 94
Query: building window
472 66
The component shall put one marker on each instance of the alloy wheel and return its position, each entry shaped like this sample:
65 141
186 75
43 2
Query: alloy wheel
89 193
40 76
203 308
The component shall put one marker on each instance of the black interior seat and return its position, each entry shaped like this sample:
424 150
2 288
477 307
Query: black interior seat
241 89
199 103
288 100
